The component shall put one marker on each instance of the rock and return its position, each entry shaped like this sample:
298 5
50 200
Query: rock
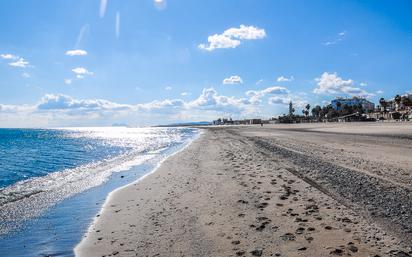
337 252
257 252
399 253
302 249
353 248
288 237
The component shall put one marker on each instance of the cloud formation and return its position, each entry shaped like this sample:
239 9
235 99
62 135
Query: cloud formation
232 80
81 72
232 37
285 79
61 109
20 62
64 102
103 7
340 37
331 83
256 96
8 56
117 24
76 52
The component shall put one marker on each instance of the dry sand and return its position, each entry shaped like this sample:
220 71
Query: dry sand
295 190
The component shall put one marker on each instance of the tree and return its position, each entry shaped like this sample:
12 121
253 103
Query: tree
383 104
398 100
316 111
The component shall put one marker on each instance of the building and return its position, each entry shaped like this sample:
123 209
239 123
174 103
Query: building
339 103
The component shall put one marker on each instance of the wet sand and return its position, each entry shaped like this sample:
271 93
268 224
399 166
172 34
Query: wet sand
279 190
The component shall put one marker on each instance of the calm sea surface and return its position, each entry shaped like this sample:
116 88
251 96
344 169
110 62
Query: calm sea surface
53 181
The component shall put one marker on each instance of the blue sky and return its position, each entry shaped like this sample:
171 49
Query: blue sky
97 62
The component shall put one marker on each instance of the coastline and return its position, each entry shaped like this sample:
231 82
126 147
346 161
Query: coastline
109 196
226 195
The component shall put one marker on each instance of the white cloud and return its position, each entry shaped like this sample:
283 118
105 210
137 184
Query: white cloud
279 100
67 81
259 81
219 41
340 37
285 79
232 80
103 7
8 56
81 72
82 33
64 110
256 96
331 83
76 52
168 88
64 102
21 63
379 92
117 24
185 94
297 101
25 75
232 37
210 100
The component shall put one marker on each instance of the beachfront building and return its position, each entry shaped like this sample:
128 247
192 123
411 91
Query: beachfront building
339 103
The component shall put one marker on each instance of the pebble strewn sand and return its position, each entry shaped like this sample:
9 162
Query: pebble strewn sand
252 191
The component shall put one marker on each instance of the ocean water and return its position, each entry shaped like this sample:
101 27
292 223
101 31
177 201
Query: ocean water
54 181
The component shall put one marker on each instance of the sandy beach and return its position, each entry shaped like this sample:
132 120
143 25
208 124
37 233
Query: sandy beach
277 190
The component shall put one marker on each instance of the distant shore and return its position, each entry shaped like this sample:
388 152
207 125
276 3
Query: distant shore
277 190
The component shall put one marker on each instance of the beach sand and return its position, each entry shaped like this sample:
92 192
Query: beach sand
278 190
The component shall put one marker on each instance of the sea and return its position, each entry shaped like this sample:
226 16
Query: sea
53 182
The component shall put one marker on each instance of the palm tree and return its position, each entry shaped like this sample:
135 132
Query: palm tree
316 111
398 100
383 104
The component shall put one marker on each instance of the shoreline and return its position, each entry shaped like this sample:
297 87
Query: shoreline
224 194
109 196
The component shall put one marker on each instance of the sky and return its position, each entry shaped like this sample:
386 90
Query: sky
147 62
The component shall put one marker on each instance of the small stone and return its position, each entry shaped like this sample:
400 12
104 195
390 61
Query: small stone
353 248
337 252
288 237
257 252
